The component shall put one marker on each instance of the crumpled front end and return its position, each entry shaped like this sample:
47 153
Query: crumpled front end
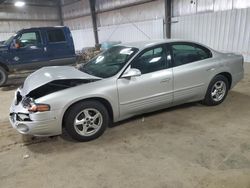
29 117
33 123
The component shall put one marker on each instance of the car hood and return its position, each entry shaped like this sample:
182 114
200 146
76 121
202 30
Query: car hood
48 74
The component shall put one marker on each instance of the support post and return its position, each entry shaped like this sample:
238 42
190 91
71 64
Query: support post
168 7
93 16
59 4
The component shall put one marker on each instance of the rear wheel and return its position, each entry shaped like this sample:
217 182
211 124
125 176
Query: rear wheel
217 91
3 76
86 120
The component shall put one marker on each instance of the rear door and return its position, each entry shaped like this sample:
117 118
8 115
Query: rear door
31 54
59 46
150 91
191 71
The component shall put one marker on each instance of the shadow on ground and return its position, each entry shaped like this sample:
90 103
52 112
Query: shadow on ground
172 121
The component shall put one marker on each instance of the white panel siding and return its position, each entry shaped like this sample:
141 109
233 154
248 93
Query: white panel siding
124 32
145 30
76 16
83 38
205 5
220 5
9 28
76 9
227 31
28 12
13 19
188 7
147 11
5 36
241 3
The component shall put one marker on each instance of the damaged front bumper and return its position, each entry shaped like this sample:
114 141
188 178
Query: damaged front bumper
37 124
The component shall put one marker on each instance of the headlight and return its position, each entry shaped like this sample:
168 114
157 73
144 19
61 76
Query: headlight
30 104
39 108
26 102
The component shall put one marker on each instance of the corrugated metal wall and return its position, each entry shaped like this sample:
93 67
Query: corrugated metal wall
222 25
79 12
188 7
115 21
151 29
13 19
148 11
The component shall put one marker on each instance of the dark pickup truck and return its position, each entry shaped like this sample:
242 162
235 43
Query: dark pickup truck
33 48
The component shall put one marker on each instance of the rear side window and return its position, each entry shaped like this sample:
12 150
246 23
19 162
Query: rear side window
56 35
188 53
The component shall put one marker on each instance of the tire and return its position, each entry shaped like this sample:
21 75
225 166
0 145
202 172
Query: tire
217 91
86 121
3 76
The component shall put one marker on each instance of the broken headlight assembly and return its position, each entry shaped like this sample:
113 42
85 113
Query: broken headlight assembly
30 104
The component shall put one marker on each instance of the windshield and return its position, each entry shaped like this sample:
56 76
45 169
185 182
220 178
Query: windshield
110 62
7 42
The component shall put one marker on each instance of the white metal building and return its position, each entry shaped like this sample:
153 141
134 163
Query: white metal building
221 24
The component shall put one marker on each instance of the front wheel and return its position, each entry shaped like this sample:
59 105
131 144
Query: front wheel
217 91
86 120
3 76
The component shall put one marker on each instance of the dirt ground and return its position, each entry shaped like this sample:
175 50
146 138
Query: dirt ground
191 146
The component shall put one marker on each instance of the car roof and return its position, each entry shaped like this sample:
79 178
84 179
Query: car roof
145 44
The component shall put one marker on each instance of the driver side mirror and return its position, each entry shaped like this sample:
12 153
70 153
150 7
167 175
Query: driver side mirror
131 73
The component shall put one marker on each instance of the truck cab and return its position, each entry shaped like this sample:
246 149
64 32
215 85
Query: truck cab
31 49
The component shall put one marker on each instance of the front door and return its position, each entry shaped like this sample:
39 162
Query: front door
150 91
30 53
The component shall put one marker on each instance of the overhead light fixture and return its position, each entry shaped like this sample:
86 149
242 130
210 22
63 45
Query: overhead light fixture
19 3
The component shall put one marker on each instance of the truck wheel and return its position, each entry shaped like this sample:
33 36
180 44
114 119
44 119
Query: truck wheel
217 91
86 120
3 76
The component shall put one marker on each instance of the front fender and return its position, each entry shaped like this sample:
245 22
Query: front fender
62 100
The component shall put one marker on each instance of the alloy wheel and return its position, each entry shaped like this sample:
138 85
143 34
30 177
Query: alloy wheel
88 122
218 91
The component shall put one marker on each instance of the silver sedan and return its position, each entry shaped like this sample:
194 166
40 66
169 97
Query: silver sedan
124 81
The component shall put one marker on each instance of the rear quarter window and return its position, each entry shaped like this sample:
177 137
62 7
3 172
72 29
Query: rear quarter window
188 52
56 35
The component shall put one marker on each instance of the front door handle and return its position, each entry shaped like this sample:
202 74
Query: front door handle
33 47
211 69
166 80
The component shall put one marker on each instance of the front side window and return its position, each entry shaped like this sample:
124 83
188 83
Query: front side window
110 62
56 35
29 39
187 53
151 60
